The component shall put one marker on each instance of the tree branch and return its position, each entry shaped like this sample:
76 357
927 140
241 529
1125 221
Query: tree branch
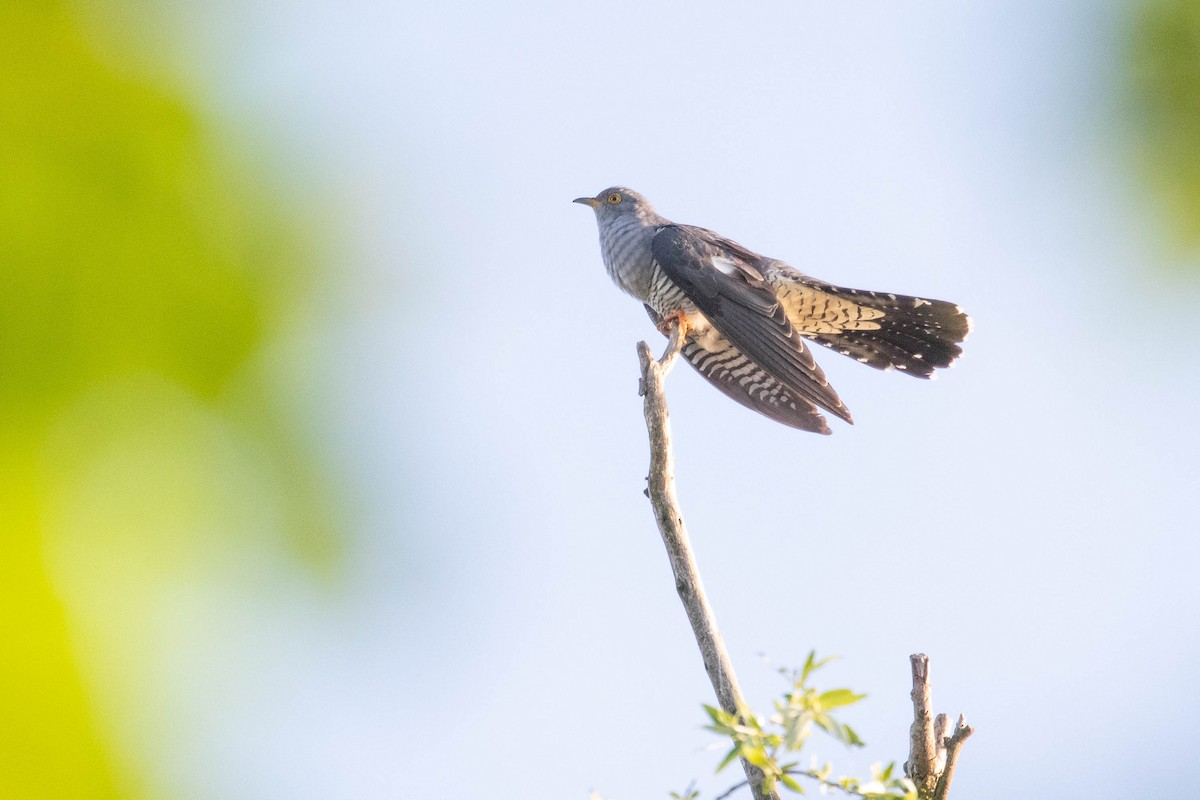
953 743
922 749
932 754
661 491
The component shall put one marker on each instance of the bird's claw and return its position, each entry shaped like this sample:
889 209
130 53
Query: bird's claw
676 320
675 327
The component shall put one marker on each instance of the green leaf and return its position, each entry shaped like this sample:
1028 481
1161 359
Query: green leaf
717 715
808 665
756 755
849 736
843 733
811 664
838 698
796 731
729 758
724 723
791 783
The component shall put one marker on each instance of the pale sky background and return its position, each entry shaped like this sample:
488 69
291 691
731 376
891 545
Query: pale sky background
509 627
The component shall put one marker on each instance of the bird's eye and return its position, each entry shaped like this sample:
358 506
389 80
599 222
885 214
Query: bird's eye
614 198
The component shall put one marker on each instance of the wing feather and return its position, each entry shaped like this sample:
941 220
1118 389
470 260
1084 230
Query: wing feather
731 371
723 280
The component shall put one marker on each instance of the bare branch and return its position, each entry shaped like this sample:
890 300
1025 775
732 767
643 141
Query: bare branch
953 743
941 730
729 792
922 750
661 491
933 753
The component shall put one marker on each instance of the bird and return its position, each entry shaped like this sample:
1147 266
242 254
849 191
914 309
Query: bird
746 318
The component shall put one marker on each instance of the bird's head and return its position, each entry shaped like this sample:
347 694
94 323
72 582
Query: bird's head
617 201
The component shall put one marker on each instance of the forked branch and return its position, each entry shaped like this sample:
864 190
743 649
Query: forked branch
933 750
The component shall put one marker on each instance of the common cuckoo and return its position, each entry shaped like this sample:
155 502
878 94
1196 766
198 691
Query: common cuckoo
746 316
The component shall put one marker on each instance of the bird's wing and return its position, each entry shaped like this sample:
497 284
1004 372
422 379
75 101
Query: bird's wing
728 369
723 280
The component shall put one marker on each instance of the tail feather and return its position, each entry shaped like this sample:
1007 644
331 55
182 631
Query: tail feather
914 335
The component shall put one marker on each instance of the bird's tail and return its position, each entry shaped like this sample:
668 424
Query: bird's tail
910 334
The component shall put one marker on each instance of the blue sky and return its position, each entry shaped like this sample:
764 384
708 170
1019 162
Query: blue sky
509 626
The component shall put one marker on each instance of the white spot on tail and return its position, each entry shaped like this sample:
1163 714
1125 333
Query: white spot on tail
918 302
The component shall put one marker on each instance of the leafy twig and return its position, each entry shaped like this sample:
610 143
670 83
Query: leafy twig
801 710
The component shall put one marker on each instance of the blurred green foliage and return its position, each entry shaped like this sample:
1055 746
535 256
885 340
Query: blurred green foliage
1165 70
142 276
801 710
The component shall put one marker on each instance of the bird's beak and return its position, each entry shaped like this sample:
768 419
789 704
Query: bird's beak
587 201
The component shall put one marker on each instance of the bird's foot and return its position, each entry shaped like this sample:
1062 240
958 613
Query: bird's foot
675 320
675 327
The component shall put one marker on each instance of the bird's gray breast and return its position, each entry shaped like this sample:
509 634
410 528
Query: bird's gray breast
625 245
